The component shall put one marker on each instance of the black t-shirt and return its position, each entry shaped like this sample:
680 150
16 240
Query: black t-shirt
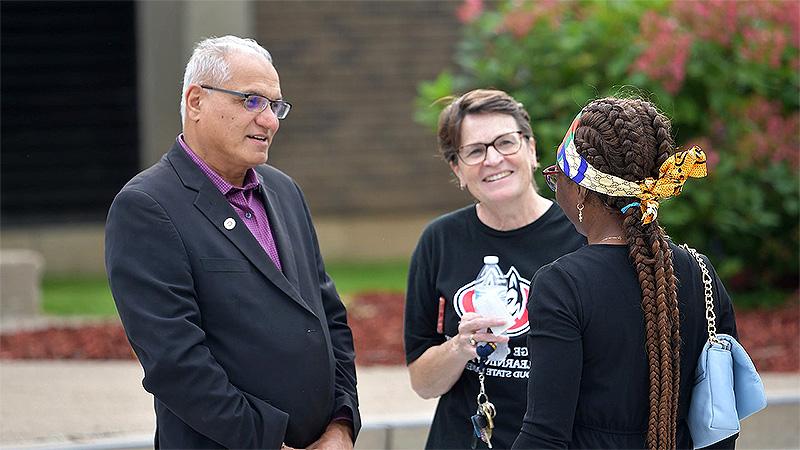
589 376
447 259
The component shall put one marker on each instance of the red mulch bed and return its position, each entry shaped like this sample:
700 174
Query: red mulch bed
771 336
377 323
104 341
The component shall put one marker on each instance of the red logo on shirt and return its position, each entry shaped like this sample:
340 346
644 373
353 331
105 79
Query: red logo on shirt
516 301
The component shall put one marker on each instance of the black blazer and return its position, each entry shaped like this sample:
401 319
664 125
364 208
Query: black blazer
236 353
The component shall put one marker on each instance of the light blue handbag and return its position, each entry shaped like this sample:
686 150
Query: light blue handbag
727 387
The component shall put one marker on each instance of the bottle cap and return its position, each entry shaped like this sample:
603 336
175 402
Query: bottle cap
490 259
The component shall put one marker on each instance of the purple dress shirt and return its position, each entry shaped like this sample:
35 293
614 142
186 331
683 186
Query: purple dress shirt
245 200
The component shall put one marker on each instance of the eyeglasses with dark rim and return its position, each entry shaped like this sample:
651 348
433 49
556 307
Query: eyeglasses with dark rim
506 144
257 103
550 179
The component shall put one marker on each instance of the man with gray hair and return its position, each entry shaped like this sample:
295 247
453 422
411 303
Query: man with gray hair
216 273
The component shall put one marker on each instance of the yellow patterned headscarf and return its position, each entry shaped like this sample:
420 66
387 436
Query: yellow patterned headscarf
672 174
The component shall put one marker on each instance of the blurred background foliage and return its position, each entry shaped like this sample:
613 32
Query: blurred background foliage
726 72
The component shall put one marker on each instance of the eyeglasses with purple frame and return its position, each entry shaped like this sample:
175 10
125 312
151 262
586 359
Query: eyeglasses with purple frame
257 103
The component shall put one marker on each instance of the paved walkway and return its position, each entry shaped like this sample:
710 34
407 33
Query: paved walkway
51 402
57 403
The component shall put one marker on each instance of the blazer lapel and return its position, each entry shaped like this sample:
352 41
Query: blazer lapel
277 223
217 210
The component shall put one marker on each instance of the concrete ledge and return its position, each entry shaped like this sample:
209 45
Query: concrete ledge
43 322
20 282
127 442
402 434
775 427
369 238
67 249
78 249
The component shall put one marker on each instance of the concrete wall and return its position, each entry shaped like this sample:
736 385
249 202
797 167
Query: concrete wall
166 33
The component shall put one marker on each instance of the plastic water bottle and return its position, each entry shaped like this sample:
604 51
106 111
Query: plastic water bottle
489 297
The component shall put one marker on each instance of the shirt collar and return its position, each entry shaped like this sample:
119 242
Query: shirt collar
252 180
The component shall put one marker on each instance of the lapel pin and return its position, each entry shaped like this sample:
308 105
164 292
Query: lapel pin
229 223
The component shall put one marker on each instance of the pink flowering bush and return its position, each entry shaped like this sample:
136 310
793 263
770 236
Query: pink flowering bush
726 72
666 51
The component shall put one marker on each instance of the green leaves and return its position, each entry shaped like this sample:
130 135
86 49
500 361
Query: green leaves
730 91
431 98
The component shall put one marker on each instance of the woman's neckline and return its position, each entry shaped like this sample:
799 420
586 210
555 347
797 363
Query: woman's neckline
535 211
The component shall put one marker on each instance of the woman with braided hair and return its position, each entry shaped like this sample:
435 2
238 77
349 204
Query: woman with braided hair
616 327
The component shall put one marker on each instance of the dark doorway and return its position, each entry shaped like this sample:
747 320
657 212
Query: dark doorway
69 109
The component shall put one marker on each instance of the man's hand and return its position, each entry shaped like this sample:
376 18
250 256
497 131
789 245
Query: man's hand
337 436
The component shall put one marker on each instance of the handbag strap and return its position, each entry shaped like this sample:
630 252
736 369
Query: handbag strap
709 294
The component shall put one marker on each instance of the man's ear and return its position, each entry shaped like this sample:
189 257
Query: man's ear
194 100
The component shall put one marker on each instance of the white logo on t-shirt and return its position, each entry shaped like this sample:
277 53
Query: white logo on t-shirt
516 301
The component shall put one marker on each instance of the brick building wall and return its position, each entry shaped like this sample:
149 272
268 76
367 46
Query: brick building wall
350 70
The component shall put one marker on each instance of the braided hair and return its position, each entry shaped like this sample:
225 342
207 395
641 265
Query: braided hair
630 138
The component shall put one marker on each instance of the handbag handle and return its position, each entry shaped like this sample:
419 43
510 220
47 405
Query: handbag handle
709 293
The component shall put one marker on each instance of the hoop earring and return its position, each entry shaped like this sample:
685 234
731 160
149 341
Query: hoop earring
580 212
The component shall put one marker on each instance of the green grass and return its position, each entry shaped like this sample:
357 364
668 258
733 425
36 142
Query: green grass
767 299
80 295
353 277
90 296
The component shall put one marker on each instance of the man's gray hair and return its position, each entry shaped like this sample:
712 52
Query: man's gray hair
208 64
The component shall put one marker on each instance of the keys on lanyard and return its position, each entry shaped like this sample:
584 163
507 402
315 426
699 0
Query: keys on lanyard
483 420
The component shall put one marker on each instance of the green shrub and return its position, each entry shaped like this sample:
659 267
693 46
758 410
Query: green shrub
727 73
